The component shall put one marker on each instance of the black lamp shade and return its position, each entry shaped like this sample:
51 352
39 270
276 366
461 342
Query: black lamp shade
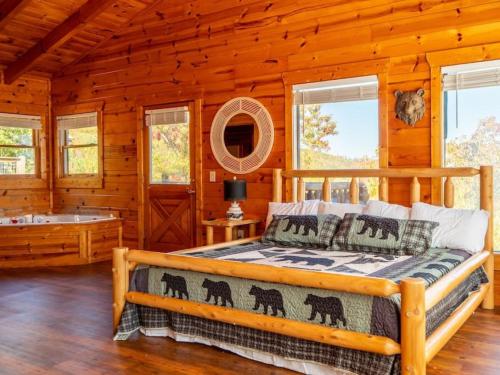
235 190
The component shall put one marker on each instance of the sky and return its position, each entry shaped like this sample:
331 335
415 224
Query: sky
473 105
357 122
357 127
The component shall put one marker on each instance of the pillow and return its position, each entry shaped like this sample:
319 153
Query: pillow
301 208
302 230
384 209
365 233
339 209
458 228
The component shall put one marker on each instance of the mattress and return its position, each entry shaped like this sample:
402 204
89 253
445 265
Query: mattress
355 312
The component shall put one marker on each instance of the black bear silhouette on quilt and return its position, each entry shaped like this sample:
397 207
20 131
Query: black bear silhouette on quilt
309 261
218 289
428 277
268 298
176 284
363 259
386 225
308 222
326 306
441 268
453 262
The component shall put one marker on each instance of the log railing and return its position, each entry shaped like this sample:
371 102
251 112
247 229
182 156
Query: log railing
339 192
382 174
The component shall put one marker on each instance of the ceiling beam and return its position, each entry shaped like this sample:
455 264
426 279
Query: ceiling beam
9 9
54 39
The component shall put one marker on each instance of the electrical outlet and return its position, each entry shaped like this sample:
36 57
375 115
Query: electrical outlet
212 176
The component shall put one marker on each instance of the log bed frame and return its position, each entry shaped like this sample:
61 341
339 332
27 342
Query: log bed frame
416 350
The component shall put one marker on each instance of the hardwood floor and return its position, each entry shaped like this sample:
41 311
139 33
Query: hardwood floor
58 321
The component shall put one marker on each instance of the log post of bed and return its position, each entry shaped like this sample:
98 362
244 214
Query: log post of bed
413 327
120 283
486 186
277 186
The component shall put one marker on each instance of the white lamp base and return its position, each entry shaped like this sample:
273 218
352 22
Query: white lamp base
234 212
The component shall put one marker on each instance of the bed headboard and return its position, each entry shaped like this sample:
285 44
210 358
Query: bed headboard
383 174
297 191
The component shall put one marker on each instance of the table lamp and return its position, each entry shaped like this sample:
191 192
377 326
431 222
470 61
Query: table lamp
234 191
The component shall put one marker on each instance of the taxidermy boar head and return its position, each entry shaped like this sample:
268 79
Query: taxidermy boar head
410 106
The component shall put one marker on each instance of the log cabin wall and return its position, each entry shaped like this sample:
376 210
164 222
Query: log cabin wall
218 50
27 95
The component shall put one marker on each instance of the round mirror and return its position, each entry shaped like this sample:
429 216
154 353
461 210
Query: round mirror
241 135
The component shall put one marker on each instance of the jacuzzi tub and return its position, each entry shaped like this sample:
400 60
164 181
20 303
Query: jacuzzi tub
57 240
50 219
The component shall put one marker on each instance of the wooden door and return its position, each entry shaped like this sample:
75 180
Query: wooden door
170 195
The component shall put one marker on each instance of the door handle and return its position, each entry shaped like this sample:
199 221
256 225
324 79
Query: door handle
190 191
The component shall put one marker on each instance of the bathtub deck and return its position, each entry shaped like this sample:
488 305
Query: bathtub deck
58 244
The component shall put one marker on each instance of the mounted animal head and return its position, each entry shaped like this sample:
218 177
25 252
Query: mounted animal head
410 106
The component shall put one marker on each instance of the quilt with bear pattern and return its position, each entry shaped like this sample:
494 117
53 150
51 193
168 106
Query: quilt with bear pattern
360 313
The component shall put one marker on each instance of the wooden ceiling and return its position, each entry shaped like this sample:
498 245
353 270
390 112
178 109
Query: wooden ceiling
63 37
43 36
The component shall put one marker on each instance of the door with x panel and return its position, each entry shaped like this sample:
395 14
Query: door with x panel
169 191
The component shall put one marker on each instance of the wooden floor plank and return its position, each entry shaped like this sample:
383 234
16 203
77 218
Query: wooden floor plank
58 321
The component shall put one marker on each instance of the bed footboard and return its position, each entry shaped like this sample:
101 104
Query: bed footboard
416 351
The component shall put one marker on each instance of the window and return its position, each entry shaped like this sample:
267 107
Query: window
79 160
78 142
471 97
169 145
336 127
19 146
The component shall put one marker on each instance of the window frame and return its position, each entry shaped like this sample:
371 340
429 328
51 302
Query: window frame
39 179
438 60
296 111
377 68
148 145
93 180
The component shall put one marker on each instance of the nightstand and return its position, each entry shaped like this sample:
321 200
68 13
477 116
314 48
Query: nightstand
230 228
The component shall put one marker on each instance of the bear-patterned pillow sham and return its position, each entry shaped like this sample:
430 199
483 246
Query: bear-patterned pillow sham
366 233
302 230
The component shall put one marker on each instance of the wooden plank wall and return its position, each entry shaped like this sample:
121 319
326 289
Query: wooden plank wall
28 95
218 50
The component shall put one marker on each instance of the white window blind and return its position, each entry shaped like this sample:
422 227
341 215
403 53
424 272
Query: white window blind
467 76
167 116
20 121
340 90
78 121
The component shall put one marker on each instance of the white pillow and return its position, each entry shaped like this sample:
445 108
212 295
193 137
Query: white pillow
301 208
339 209
458 228
384 209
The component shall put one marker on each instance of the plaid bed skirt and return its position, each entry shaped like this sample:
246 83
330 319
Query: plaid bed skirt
135 317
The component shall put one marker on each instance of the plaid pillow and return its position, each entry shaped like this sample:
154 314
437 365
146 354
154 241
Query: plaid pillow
302 230
366 233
